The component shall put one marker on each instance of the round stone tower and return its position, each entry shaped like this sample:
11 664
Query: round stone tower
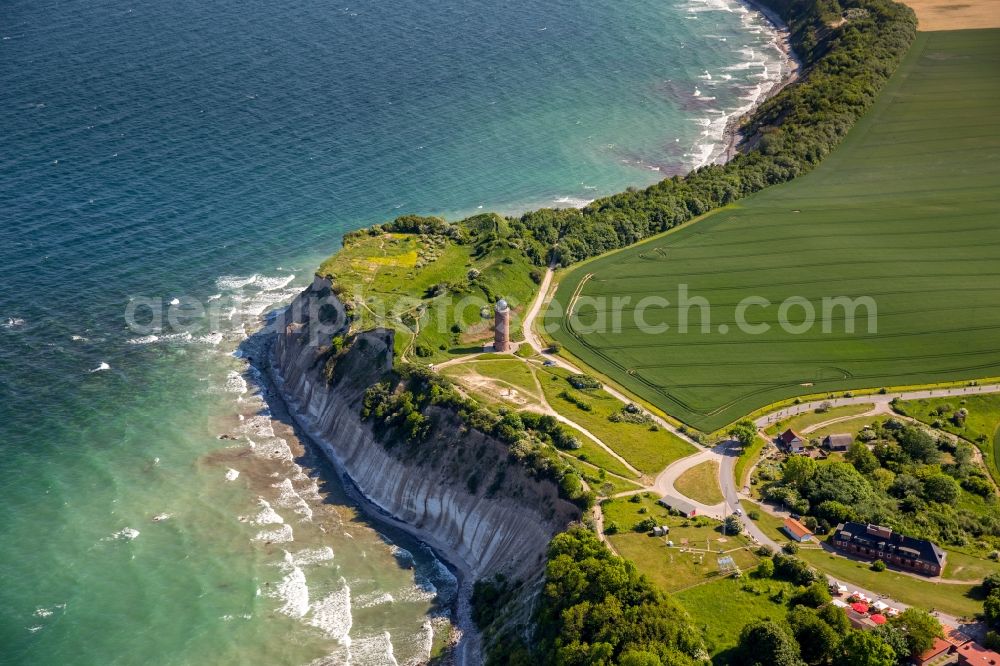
501 326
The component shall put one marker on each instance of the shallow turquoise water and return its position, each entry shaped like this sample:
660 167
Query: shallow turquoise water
214 153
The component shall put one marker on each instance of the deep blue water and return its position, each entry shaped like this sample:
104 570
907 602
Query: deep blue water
174 149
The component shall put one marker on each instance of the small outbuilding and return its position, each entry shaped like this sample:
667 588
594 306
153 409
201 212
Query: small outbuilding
796 530
838 442
679 505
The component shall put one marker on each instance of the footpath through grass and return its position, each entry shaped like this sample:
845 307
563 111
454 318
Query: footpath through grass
647 448
800 422
903 213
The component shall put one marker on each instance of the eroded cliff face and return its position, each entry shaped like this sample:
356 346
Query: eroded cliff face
458 490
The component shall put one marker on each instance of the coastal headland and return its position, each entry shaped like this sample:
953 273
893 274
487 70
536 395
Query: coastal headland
385 362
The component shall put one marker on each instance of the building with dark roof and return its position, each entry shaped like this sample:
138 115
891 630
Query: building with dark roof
874 542
838 442
681 506
791 441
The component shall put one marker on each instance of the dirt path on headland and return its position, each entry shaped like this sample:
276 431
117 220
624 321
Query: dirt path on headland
955 14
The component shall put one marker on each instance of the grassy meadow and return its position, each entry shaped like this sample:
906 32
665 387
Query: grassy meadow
701 483
648 450
903 212
434 289
698 543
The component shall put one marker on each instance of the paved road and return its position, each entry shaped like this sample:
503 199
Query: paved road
881 401
727 453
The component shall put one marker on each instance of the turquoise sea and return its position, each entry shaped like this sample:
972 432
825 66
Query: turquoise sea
199 159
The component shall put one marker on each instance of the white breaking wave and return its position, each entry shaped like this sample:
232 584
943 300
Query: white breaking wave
373 651
102 367
309 556
573 202
144 340
282 534
267 515
289 499
235 383
13 322
373 599
293 590
332 615
232 474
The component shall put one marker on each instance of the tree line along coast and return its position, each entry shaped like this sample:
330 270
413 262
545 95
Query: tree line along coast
705 587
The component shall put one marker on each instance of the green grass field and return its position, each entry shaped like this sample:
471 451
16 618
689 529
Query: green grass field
423 285
903 212
679 567
721 608
647 450
746 461
801 422
982 426
957 600
701 483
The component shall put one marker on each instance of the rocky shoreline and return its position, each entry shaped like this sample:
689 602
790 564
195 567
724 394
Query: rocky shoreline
732 134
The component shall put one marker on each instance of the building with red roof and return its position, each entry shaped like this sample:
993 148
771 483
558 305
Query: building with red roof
791 441
797 530
938 653
974 654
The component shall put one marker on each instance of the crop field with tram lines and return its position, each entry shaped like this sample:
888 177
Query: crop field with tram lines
906 212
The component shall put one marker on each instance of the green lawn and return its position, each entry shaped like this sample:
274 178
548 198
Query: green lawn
802 421
590 452
701 483
958 600
721 608
746 461
852 426
903 212
673 568
982 425
962 566
647 450
769 524
430 283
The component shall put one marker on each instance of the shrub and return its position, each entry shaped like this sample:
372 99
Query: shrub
878 565
645 525
790 548
765 569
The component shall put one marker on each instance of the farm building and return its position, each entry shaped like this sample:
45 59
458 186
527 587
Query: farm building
679 505
838 442
874 542
791 441
796 530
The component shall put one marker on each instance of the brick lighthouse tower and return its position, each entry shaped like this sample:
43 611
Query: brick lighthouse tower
501 327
